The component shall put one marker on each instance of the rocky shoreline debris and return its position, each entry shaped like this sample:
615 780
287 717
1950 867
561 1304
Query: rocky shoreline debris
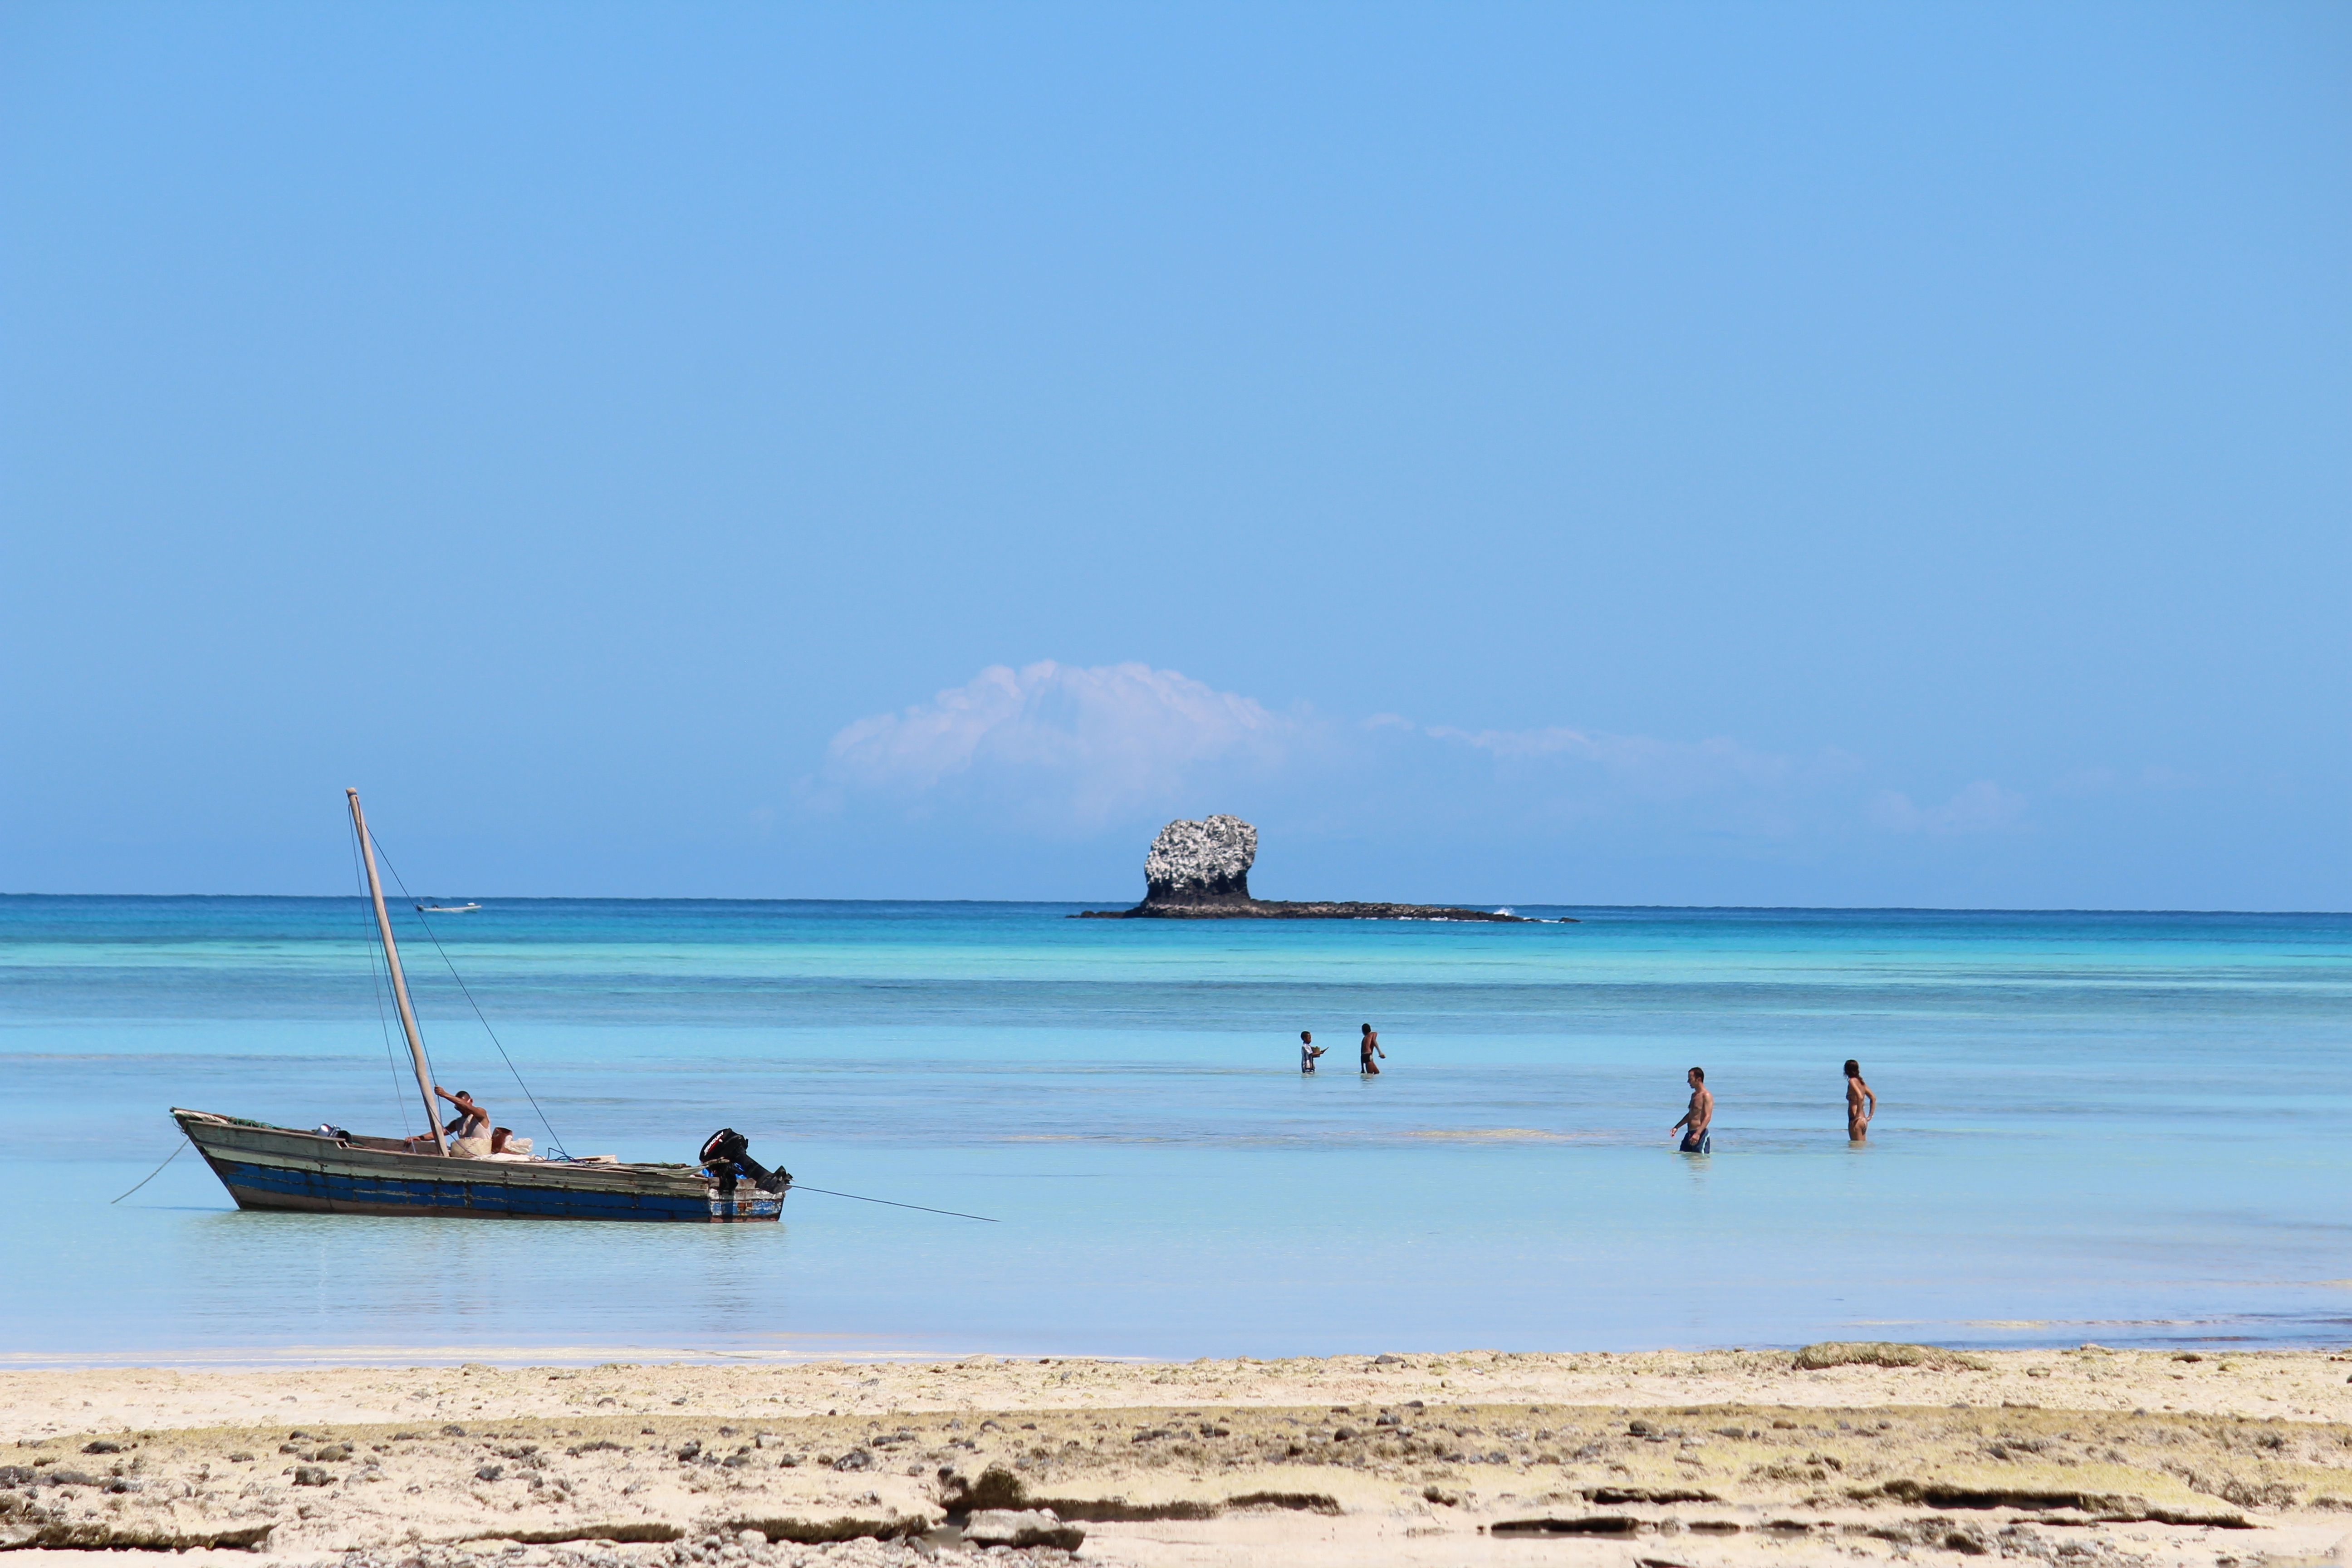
2070 1458
1200 870
864 1552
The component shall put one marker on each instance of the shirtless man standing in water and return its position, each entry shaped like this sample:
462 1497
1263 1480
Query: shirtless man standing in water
1368 1049
1698 1118
1857 1120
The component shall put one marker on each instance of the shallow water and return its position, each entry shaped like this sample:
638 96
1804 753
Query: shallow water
2111 1127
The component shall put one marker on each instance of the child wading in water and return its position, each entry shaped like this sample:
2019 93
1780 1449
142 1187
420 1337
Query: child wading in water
1369 1049
1308 1051
1857 1120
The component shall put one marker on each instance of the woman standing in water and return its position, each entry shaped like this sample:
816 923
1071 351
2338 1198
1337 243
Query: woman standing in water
1368 1050
1857 1120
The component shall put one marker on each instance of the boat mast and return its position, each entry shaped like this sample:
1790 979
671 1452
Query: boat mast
399 982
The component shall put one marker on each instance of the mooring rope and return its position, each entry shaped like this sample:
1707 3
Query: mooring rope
151 1174
894 1203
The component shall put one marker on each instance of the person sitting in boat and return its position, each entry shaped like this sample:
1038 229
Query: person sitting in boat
469 1130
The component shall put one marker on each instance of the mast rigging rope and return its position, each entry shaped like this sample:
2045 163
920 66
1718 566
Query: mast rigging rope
460 979
376 979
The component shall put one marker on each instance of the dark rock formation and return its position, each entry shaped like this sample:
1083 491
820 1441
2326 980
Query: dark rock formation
1284 909
1200 863
1200 870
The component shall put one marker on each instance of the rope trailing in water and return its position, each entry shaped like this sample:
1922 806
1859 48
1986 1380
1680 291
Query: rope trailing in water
896 1204
151 1174
477 1006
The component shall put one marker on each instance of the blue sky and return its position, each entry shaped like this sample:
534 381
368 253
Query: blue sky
1661 453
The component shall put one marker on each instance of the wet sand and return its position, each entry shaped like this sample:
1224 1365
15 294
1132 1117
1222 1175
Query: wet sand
1699 1460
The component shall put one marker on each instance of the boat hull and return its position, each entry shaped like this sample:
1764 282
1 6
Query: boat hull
265 1167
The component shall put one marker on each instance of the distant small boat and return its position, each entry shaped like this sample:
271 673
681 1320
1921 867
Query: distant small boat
446 909
332 1171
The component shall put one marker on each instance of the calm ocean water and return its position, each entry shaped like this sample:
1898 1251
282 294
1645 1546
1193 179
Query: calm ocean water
2111 1127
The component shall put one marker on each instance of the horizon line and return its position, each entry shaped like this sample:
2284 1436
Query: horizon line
1083 903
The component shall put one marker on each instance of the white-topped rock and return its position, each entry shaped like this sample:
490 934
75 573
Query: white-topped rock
1204 862
1020 1528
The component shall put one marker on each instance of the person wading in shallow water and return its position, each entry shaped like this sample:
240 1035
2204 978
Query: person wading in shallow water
1857 1120
1368 1053
1698 1118
1308 1051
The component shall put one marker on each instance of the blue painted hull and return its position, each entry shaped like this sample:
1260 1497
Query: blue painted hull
267 1167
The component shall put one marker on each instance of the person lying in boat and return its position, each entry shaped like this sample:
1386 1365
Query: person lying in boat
505 1146
467 1132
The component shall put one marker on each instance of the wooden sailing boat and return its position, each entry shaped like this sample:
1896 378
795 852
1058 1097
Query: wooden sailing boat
266 1167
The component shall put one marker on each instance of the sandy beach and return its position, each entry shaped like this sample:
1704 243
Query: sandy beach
1722 1458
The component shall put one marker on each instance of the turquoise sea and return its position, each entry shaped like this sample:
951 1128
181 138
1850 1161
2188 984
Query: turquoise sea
2110 1127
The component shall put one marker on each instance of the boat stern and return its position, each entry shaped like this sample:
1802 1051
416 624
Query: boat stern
745 1203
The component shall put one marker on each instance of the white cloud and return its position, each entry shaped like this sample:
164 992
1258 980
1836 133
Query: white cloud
1094 740
1070 748
1650 766
1982 808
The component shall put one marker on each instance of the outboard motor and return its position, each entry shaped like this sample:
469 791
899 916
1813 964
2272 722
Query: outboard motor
726 1155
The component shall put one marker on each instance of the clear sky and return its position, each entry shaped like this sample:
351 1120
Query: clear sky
1802 454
